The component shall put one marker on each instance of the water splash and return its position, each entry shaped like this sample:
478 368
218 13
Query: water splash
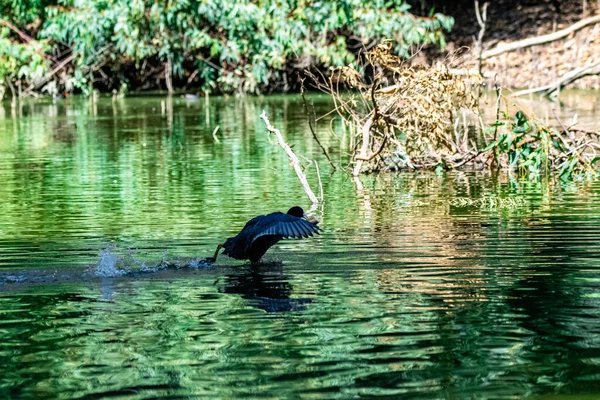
197 263
113 262
110 265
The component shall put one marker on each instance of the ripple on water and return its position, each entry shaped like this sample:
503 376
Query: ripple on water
421 286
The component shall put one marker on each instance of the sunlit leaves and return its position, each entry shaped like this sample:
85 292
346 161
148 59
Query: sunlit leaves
533 149
246 42
18 61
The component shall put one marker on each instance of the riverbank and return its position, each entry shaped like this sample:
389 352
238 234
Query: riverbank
511 21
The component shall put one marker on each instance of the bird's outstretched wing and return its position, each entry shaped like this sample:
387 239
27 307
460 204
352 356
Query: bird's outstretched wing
288 226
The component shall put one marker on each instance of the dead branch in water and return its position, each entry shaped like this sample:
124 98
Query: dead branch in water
408 118
50 74
566 79
292 156
413 123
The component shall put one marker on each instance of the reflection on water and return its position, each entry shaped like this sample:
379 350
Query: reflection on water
266 287
410 291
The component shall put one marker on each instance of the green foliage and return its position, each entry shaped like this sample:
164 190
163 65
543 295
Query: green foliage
19 61
22 12
530 148
237 46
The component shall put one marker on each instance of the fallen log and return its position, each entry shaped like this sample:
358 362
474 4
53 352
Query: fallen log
551 37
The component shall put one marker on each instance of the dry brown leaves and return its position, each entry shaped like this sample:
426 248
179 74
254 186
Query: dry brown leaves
408 112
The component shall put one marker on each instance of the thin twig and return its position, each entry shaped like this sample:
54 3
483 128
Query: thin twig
573 150
481 20
319 177
312 129
499 97
26 38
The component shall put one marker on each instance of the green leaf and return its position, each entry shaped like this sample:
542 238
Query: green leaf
490 145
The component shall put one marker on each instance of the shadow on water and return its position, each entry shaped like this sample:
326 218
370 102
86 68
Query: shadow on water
264 286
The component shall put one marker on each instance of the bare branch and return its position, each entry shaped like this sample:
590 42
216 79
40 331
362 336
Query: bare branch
293 158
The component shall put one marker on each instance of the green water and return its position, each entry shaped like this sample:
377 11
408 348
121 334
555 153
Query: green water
421 286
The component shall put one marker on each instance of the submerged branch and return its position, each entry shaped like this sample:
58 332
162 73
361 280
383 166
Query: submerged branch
364 150
566 79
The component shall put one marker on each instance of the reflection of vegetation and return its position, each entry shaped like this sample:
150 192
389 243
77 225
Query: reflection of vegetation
409 295
234 46
416 317
138 172
142 169
488 202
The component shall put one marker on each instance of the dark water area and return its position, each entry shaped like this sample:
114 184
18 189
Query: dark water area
462 285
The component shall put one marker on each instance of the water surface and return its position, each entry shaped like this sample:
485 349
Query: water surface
462 285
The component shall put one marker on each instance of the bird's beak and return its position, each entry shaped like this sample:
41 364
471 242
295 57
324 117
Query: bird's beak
311 218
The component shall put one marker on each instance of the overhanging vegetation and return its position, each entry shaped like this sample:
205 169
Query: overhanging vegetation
227 46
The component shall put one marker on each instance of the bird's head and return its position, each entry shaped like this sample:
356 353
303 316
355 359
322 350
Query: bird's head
296 212
299 212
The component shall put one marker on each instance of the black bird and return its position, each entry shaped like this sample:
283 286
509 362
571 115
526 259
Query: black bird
262 232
